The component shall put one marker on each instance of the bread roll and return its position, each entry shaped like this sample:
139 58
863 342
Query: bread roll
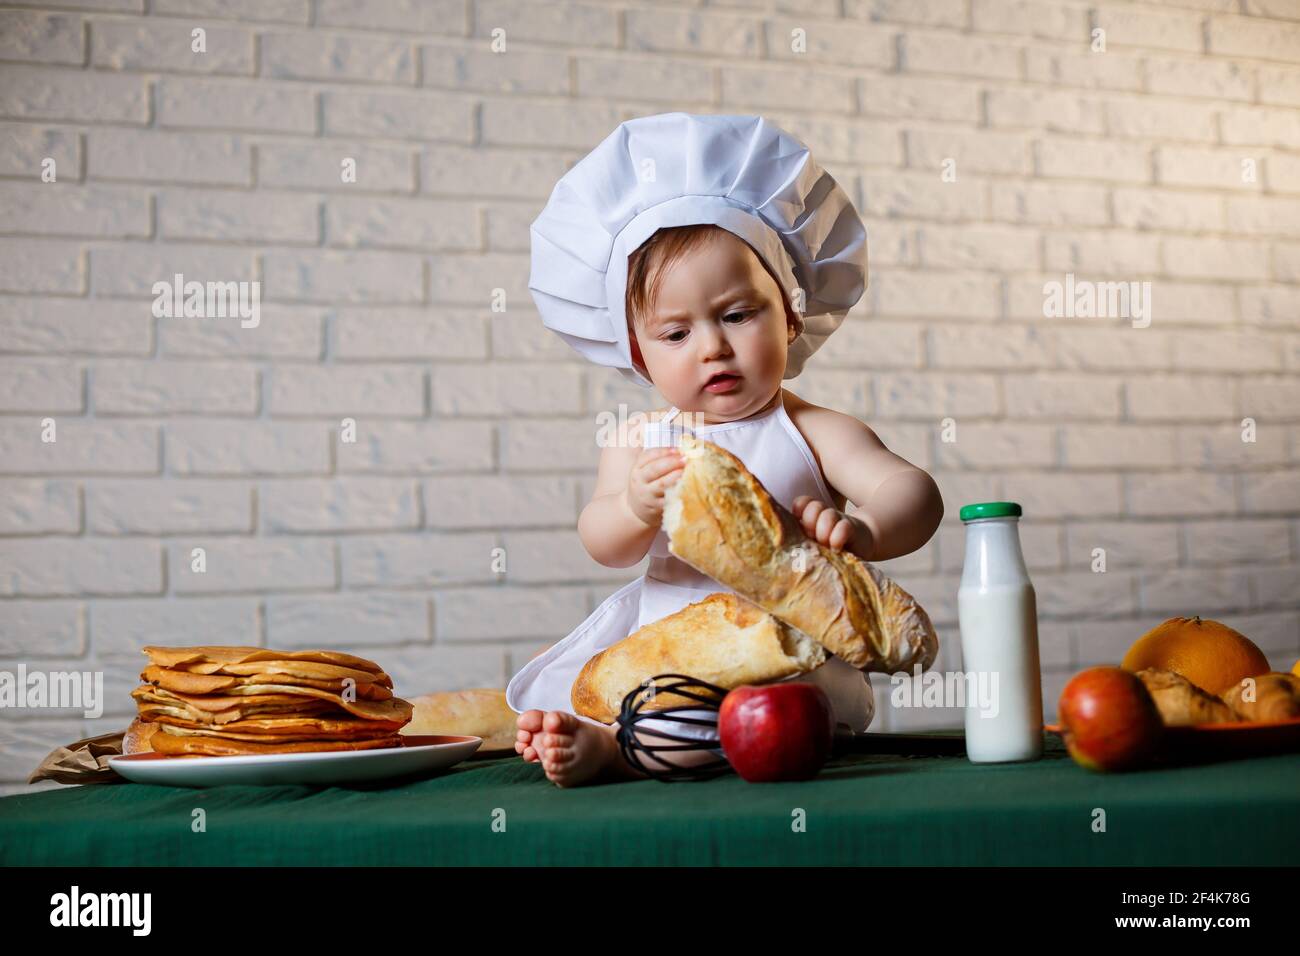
1180 702
136 738
722 521
1275 696
722 639
479 712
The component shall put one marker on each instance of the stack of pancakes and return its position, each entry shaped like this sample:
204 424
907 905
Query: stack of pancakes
223 701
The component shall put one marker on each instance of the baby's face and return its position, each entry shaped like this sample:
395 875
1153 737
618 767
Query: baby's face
718 310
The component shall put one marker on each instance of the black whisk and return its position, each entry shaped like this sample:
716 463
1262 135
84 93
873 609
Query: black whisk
634 724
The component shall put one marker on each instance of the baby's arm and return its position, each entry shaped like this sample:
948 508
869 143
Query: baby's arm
626 509
898 503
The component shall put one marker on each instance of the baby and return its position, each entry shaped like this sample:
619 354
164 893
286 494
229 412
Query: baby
711 328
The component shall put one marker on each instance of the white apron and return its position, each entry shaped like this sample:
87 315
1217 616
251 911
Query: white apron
773 449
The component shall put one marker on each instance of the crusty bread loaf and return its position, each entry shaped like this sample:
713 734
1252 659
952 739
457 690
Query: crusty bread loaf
723 639
722 521
478 712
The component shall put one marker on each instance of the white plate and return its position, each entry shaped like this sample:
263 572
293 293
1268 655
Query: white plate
420 754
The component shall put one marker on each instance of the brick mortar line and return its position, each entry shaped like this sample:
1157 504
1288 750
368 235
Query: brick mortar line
984 179
761 18
853 72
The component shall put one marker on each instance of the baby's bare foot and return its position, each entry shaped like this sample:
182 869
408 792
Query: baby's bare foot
528 741
577 752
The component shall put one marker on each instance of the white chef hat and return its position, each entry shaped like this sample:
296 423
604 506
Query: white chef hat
741 173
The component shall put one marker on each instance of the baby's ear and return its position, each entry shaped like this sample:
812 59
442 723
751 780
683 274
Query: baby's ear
792 318
637 360
794 324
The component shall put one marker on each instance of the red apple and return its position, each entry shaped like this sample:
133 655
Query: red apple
777 731
1108 719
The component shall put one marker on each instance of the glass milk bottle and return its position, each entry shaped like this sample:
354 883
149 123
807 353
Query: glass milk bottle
998 616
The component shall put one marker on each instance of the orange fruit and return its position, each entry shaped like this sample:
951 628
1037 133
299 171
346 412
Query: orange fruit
1211 655
1295 668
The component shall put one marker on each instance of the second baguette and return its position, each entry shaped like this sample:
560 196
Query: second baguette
722 521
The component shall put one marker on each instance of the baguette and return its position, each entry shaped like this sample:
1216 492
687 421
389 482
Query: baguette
723 522
722 639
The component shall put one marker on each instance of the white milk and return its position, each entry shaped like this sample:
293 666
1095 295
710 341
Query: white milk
998 616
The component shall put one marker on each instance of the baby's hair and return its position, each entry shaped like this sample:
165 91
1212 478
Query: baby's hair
651 260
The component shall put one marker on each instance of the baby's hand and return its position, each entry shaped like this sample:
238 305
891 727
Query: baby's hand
654 471
831 528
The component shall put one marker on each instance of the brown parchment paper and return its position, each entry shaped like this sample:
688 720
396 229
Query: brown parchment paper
85 761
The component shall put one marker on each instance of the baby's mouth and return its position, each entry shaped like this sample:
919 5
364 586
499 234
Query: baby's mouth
722 382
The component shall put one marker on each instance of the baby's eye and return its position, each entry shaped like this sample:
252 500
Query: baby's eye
673 337
738 316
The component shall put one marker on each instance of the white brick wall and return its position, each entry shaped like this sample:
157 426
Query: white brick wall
474 426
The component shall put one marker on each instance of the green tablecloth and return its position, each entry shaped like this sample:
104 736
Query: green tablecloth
869 810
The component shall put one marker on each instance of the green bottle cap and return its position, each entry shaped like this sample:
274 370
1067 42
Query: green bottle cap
990 509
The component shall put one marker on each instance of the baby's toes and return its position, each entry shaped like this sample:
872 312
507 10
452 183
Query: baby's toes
554 743
559 764
528 742
523 744
560 722
557 757
529 746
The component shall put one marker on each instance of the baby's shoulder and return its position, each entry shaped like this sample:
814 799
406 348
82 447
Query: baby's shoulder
809 416
806 415
825 429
